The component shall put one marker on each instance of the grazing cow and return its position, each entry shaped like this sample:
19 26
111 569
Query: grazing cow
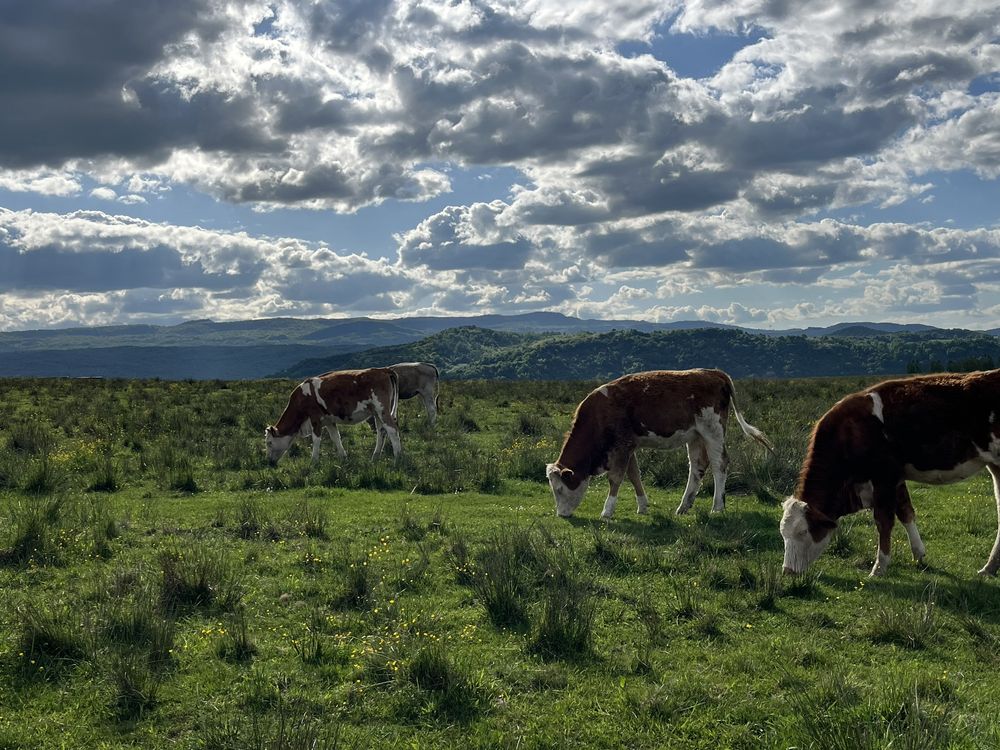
659 409
417 379
935 429
348 396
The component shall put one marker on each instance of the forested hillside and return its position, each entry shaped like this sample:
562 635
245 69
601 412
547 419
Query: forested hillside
478 353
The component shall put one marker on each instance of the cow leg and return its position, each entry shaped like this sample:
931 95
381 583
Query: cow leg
317 438
719 459
697 463
616 475
632 472
335 434
993 562
906 516
884 519
391 430
379 437
430 406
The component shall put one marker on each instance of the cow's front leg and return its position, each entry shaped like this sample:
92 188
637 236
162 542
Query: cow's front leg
906 516
632 472
338 443
317 439
616 475
993 562
697 463
883 522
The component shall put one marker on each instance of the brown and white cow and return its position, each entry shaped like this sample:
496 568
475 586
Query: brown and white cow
344 397
659 409
935 429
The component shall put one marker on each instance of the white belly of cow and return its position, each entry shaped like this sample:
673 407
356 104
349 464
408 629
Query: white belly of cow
674 440
944 476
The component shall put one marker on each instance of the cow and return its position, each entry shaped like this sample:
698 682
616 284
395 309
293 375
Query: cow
323 402
417 379
935 429
658 409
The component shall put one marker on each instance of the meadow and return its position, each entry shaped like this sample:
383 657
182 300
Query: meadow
162 587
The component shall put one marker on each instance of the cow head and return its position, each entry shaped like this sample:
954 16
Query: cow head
806 532
568 488
276 444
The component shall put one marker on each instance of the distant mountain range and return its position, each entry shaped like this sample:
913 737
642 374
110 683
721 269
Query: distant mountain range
535 341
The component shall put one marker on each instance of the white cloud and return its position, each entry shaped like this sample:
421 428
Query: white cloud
627 166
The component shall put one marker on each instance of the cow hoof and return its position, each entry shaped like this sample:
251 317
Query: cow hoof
606 516
643 511
987 572
682 509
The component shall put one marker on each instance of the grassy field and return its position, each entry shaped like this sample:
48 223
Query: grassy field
161 587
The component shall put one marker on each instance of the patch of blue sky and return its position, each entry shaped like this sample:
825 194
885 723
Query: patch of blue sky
692 55
369 230
958 199
985 84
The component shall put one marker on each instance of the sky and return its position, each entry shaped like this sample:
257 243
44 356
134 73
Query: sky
764 163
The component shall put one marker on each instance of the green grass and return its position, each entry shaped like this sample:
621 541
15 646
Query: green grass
301 607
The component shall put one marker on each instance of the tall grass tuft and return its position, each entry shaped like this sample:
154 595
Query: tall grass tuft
460 559
907 624
501 573
236 644
454 693
44 477
198 577
50 639
565 623
836 716
106 476
36 534
134 688
359 579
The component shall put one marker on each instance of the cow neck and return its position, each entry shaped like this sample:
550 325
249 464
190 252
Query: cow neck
822 487
291 418
585 450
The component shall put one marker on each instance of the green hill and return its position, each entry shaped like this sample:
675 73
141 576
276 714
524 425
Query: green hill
465 353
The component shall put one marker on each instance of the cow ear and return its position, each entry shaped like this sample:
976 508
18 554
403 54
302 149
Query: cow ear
270 430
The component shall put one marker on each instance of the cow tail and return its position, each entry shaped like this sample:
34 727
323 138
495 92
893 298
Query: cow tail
748 429
394 387
437 389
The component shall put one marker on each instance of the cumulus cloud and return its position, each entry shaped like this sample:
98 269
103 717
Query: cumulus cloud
626 164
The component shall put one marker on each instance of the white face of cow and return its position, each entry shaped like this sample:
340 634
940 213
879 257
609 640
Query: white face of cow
276 445
801 549
567 500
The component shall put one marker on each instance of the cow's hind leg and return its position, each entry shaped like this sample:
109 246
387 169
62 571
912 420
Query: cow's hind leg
884 505
632 472
906 516
993 562
430 406
697 463
379 437
719 459
391 430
